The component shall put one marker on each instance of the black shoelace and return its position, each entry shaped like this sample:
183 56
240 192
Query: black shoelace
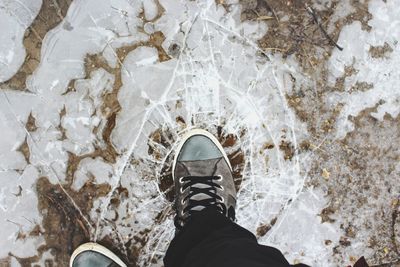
210 189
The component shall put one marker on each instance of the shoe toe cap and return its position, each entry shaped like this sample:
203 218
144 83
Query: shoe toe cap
199 147
92 259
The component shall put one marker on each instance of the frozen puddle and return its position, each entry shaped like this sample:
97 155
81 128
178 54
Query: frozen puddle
86 149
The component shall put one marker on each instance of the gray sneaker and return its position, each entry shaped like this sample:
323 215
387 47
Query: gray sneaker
202 176
94 255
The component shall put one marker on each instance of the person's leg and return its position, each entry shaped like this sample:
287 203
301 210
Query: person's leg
205 201
211 239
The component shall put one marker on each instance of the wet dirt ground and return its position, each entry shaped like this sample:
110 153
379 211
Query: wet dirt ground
354 172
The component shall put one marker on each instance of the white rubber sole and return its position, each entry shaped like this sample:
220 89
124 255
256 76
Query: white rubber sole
96 248
194 132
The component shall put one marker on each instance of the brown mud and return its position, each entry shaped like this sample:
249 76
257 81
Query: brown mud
63 226
360 169
50 15
352 163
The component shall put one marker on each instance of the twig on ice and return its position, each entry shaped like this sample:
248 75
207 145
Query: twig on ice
311 11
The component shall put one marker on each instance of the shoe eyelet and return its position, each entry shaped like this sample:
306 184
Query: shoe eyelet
223 199
181 190
181 180
220 177
182 202
222 188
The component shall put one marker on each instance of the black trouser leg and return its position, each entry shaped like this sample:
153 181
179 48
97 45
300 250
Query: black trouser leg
210 239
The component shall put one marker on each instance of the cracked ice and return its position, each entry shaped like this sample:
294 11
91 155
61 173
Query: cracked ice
149 78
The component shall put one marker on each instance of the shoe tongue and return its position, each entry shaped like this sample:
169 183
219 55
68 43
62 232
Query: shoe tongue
203 168
201 196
